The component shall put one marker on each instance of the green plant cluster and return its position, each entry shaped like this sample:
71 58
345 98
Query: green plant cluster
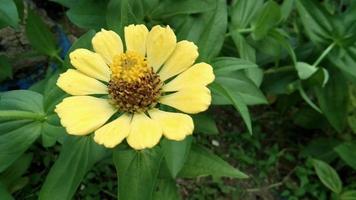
296 57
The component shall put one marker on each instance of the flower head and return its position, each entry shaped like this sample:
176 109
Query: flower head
131 85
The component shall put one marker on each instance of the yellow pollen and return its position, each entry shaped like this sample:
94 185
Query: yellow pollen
129 67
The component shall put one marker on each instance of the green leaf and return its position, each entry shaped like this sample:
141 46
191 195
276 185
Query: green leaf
4 194
305 70
321 148
21 118
213 36
169 8
316 20
237 102
135 168
287 8
12 176
246 51
8 13
175 154
83 42
5 68
40 36
77 157
167 190
328 175
243 12
348 195
89 14
268 18
239 85
346 61
202 162
223 65
52 131
347 152
333 100
204 123
124 12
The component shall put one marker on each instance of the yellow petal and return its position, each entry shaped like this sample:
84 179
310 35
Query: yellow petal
113 133
81 115
189 100
75 83
200 74
160 44
144 133
90 63
183 57
175 126
135 38
107 44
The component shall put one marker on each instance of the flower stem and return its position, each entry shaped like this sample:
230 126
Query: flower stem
325 53
14 114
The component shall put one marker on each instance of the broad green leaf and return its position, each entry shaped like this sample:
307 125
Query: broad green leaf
4 194
243 12
305 70
166 190
212 38
347 152
137 173
348 195
268 18
21 119
328 175
40 36
202 162
246 51
223 65
89 14
287 8
8 13
12 176
5 68
346 61
175 154
238 83
255 75
236 101
204 123
124 12
333 100
52 129
316 20
77 157
321 148
83 42
169 8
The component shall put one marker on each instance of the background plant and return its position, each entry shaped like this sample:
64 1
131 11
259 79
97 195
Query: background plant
287 69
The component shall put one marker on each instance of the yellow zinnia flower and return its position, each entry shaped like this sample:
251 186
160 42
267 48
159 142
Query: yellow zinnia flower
155 69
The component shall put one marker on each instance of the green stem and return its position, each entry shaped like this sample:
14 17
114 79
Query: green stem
245 30
14 114
242 30
325 53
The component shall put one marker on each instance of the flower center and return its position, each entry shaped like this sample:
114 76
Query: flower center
134 86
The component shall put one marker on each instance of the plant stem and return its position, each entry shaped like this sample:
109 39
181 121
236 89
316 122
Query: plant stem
243 30
14 114
325 53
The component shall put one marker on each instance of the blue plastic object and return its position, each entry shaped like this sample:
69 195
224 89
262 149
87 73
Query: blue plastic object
24 81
